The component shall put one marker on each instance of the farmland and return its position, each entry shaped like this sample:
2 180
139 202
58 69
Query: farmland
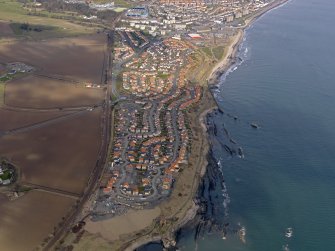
79 58
5 29
11 119
59 156
41 92
33 216
50 127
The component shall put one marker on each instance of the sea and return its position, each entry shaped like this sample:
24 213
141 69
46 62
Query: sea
281 174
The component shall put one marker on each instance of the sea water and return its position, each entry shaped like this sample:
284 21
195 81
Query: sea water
286 85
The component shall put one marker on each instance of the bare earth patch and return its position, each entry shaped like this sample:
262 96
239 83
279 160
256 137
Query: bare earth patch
60 156
17 119
27 221
5 29
128 223
79 58
41 92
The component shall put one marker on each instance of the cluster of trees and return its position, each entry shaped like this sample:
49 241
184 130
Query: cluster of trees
28 27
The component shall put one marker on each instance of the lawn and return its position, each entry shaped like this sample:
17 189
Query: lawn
162 75
218 52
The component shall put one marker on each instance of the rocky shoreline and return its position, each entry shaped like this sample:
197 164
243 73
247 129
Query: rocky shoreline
200 215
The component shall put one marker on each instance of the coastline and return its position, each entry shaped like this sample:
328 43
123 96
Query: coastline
230 58
217 71
189 208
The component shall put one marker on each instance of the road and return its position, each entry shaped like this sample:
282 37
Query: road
50 109
153 114
52 190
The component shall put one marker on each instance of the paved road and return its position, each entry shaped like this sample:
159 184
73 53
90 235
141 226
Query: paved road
153 113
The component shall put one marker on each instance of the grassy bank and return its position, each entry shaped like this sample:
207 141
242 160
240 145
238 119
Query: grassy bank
14 12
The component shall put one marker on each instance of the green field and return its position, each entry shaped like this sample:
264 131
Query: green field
14 12
121 3
25 28
208 51
218 52
37 31
214 52
119 9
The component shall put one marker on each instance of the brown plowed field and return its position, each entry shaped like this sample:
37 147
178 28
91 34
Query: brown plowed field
17 119
27 221
5 29
40 92
60 156
79 58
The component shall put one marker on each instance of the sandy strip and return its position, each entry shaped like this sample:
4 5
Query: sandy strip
236 40
226 61
128 223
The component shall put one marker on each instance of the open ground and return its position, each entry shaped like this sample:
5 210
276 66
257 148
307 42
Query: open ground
5 29
79 59
27 221
59 156
13 11
12 119
41 92
49 128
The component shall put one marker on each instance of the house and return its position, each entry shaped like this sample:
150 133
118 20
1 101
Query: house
135 191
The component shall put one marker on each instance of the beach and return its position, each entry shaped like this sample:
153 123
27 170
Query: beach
235 41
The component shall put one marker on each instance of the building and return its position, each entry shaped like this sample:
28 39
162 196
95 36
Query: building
138 12
184 2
